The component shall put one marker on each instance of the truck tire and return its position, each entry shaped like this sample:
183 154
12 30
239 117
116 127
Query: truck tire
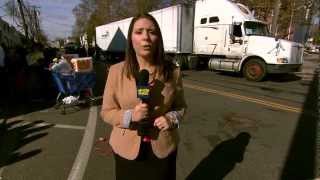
254 70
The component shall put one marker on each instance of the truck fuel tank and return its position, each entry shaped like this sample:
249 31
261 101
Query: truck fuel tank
224 64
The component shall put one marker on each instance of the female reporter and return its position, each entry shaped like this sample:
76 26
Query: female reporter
144 152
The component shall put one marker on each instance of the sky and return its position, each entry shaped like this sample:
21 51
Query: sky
55 15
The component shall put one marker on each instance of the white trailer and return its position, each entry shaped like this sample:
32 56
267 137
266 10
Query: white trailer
176 24
218 33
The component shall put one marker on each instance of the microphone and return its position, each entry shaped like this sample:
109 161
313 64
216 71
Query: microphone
143 89
143 93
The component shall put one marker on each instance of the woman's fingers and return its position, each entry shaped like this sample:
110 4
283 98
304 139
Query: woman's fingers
140 112
143 105
162 123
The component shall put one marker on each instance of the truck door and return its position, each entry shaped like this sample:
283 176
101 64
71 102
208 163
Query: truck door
209 38
235 47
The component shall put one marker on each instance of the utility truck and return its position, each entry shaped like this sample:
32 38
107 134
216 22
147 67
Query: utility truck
219 34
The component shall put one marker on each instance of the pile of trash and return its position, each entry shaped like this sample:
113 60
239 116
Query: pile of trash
70 100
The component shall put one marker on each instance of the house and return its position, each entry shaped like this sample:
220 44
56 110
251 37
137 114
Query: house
9 36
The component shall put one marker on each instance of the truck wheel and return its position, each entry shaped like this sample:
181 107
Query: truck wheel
254 70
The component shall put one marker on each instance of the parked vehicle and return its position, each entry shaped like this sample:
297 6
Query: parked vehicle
219 34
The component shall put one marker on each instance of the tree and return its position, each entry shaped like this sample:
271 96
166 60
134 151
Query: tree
92 13
292 13
82 12
26 17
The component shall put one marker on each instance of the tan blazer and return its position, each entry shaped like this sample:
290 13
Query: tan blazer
120 94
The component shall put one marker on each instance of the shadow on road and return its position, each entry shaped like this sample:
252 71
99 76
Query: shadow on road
270 77
230 74
300 162
16 134
222 159
283 77
14 109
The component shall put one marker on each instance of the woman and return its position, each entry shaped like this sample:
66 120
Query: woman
152 155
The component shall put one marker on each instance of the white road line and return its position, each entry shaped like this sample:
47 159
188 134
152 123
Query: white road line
80 164
16 118
65 126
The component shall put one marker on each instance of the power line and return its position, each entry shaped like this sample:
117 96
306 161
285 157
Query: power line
57 23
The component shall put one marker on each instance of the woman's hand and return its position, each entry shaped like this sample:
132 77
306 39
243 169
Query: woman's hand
140 112
162 123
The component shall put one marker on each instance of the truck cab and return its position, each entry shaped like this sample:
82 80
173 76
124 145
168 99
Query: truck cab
233 40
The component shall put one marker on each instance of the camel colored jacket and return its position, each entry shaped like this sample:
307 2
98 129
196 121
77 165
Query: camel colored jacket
120 95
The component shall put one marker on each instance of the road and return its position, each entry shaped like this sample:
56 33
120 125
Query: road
234 130
270 112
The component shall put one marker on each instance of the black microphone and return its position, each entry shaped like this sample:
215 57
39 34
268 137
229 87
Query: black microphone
143 89
143 93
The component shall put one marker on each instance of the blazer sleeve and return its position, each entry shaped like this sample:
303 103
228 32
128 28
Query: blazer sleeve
179 106
111 111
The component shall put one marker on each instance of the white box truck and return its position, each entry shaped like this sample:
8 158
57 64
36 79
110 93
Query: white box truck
221 34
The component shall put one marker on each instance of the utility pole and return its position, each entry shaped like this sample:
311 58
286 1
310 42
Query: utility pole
35 15
275 17
25 27
291 20
308 5
308 17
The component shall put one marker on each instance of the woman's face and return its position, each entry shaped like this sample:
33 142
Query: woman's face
144 38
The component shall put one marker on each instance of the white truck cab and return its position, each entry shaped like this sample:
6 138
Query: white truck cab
236 41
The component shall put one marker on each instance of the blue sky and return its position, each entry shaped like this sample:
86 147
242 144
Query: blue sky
56 16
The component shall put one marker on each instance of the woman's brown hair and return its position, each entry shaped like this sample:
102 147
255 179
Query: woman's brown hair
164 67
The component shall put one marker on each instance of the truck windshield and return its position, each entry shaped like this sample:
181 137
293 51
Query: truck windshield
255 29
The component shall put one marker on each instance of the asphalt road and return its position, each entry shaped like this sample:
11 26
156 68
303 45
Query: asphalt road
234 129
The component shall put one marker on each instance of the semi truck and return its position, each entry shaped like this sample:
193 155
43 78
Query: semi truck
218 34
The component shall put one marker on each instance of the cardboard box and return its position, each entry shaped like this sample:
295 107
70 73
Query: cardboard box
82 64
68 57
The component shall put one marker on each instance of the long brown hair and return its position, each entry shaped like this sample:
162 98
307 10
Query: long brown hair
164 67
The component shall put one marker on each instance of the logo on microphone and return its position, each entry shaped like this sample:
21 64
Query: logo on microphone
143 91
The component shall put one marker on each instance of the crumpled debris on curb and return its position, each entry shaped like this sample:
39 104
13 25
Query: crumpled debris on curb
70 99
